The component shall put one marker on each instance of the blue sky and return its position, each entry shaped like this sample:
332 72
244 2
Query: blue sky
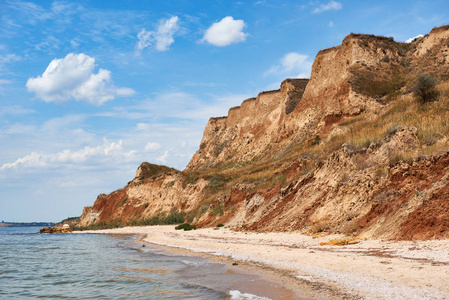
91 89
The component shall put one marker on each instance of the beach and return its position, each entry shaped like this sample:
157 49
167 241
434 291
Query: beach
370 269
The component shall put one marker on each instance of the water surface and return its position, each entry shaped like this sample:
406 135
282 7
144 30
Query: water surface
94 266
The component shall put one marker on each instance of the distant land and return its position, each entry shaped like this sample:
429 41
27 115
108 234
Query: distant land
25 224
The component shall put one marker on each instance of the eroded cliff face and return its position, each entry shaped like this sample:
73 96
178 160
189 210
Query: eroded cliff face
348 151
251 130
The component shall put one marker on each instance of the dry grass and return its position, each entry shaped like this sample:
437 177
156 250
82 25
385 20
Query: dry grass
431 120
399 155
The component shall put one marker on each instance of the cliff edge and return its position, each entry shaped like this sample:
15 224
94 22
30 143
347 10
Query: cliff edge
349 150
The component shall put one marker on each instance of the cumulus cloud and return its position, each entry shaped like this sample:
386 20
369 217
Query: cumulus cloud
73 77
292 64
413 38
36 160
162 38
225 32
333 5
152 147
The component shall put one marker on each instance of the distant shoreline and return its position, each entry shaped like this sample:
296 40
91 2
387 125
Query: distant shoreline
370 269
26 224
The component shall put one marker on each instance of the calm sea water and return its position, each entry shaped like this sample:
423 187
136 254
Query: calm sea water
94 266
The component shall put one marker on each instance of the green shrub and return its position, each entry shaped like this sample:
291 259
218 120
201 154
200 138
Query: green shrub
220 225
424 89
185 227
316 141
175 217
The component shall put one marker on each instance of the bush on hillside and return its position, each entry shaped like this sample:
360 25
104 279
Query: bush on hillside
424 89
186 227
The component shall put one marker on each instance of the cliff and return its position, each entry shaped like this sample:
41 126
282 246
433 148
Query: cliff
349 150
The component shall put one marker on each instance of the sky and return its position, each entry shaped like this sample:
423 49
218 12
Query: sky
90 89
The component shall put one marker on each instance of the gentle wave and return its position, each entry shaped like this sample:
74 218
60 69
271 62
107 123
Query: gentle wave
237 295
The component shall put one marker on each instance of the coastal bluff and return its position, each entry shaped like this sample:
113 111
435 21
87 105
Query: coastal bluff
348 151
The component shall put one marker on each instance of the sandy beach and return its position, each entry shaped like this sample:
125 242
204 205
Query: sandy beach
371 269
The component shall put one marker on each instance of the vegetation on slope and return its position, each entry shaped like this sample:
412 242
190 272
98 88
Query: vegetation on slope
265 173
174 217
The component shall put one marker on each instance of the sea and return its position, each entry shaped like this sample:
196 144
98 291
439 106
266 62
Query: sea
99 266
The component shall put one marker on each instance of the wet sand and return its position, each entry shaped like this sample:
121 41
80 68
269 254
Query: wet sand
371 269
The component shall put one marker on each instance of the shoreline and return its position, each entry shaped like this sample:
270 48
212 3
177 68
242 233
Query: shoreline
371 269
277 277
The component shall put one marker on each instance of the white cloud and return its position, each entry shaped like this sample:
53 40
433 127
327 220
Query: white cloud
74 43
330 24
152 147
9 58
144 39
142 127
413 38
333 5
33 12
15 110
163 157
49 44
182 107
112 150
292 64
225 32
73 77
5 81
162 38
65 9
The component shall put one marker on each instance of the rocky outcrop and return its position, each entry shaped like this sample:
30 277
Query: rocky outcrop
56 230
348 151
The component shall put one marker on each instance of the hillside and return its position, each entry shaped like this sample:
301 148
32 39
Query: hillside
348 151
